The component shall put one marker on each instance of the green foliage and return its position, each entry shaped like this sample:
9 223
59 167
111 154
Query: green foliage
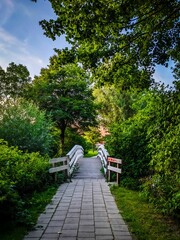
22 124
73 137
114 105
13 81
163 188
93 136
148 142
20 174
128 140
142 32
92 153
124 76
67 96
33 206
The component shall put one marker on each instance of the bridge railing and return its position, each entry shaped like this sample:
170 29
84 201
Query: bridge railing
103 154
110 164
73 155
68 162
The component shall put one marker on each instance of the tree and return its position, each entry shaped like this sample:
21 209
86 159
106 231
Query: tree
22 124
64 92
148 142
114 104
74 137
13 81
128 140
145 32
93 136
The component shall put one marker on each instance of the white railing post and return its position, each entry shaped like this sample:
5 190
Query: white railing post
109 164
103 154
67 163
68 168
74 154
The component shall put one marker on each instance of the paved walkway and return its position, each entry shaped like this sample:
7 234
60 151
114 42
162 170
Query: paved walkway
82 209
89 168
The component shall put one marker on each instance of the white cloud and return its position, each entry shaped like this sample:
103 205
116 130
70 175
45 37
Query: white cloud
15 50
6 37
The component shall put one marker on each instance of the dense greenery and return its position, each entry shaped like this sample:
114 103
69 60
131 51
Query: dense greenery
93 136
115 48
148 143
22 124
14 81
72 138
20 174
34 205
64 92
140 33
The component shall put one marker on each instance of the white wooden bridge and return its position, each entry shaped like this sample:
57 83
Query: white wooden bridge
89 167
84 208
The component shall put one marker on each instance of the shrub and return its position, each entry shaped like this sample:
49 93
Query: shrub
163 188
128 141
148 143
20 174
74 138
22 124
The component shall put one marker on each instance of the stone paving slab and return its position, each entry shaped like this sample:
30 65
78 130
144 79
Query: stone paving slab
81 209
94 215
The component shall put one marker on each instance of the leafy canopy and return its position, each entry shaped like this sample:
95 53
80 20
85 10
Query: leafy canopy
145 31
22 124
20 175
64 92
13 81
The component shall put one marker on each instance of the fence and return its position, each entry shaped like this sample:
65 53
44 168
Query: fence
110 164
68 162
103 154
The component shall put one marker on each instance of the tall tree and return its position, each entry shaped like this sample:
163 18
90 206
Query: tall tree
14 80
114 104
144 31
64 92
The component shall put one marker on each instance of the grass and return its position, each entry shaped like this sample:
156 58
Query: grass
144 222
35 205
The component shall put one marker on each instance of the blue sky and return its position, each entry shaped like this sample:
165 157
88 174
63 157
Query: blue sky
22 40
21 36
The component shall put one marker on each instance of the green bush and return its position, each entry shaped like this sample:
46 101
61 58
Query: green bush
163 189
20 175
74 138
128 141
148 142
22 124
130 183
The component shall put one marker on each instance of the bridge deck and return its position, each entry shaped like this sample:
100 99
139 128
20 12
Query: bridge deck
82 209
89 168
